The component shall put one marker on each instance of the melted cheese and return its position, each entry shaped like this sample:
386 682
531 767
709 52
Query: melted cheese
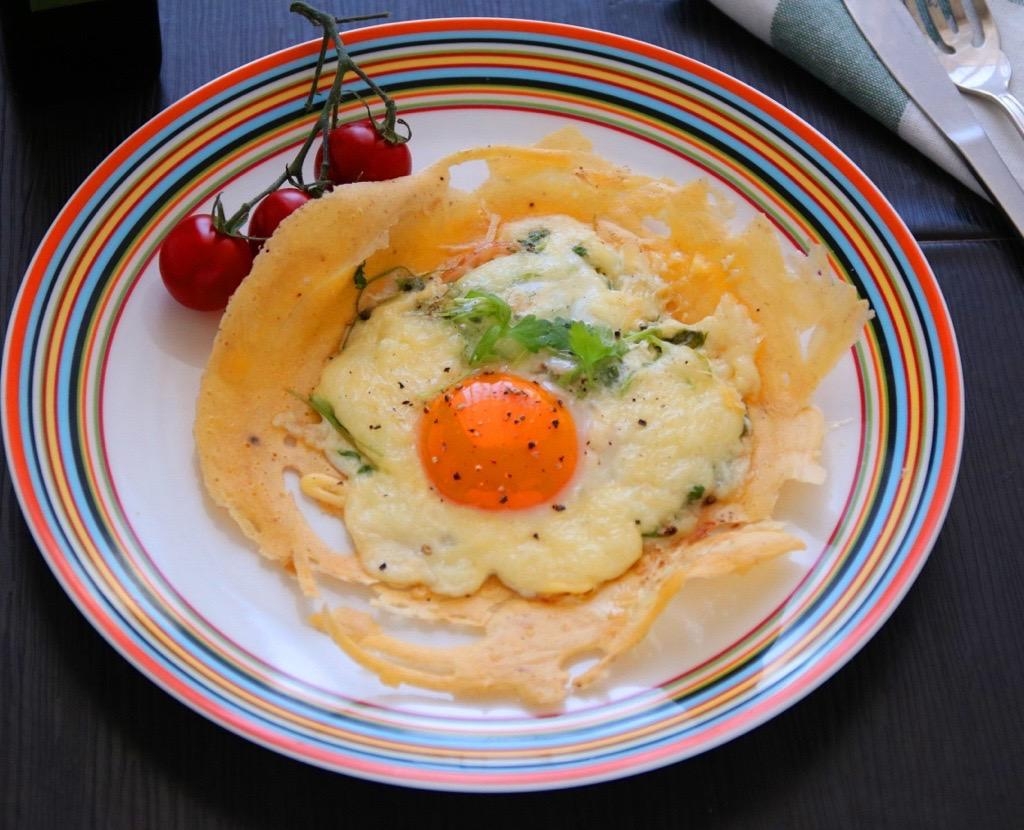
652 445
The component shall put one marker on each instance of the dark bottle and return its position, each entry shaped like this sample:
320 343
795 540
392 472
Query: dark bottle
82 47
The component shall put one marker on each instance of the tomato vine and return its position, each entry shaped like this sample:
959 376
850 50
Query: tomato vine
201 265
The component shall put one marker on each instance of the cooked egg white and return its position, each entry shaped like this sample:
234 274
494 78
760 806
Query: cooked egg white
652 445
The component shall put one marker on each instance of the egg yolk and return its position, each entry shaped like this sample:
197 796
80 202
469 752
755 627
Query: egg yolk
498 442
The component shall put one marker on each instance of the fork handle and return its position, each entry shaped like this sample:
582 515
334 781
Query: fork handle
1013 108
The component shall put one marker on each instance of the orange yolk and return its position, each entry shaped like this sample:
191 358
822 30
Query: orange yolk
498 442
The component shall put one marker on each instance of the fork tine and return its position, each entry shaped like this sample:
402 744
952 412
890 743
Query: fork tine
939 22
915 12
988 25
956 8
931 27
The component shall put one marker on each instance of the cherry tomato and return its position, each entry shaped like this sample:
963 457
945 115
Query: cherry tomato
202 266
357 153
270 211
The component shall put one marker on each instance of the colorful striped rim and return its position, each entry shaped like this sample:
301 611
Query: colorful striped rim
78 287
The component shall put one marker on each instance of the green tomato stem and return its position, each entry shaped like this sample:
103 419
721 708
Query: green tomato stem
326 120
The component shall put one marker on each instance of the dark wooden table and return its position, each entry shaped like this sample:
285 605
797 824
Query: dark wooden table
924 728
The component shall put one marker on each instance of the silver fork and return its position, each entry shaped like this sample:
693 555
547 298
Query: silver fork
968 48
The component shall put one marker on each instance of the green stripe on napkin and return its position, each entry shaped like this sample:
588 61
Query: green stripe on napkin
828 43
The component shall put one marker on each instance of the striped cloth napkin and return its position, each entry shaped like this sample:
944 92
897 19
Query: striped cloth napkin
821 36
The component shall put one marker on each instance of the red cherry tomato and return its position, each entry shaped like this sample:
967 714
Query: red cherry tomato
357 153
202 266
270 211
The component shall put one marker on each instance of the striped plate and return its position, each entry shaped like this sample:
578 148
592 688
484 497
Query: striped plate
101 370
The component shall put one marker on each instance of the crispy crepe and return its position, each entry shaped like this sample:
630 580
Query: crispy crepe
290 316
